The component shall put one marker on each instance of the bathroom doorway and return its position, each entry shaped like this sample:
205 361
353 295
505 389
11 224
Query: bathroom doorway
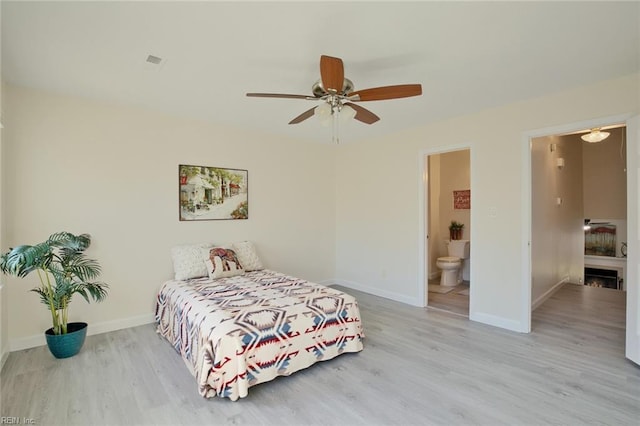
448 216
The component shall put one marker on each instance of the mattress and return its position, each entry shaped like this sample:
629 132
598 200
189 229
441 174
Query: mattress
236 332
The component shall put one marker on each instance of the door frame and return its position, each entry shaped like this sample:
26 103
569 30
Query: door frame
423 216
527 138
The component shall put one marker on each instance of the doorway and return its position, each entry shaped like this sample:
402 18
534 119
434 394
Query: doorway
448 217
632 137
578 210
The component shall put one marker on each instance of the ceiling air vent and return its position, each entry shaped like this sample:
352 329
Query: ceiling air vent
154 59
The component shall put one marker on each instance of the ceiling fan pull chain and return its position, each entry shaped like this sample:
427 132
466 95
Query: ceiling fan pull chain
336 125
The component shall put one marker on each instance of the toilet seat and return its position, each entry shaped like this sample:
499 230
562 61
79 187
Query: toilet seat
449 259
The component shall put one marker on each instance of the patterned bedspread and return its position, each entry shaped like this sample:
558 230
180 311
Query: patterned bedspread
236 332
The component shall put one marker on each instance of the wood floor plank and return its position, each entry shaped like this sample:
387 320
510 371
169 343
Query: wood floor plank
453 301
419 367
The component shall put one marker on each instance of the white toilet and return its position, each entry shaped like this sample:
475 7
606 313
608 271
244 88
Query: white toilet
451 266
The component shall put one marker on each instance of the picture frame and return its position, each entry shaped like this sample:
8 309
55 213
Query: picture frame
462 199
212 193
600 240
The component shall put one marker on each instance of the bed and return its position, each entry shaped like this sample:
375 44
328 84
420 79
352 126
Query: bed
242 329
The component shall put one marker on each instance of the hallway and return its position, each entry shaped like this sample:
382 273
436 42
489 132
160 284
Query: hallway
584 312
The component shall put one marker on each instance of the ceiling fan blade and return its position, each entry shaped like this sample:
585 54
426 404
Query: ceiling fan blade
386 92
280 95
332 73
303 116
363 114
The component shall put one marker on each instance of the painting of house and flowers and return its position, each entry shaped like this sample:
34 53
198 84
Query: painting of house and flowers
210 193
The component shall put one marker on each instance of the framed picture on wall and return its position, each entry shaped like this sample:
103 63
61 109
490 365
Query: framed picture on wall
600 239
462 199
212 193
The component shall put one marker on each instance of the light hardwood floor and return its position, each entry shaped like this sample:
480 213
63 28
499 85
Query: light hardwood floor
453 301
419 366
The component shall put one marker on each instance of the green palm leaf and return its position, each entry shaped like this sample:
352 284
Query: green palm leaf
94 290
63 270
22 260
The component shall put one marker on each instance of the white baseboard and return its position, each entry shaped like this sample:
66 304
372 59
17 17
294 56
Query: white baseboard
104 327
378 292
478 317
97 328
547 294
497 321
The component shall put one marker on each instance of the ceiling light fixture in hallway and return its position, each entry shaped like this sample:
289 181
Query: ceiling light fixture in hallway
596 135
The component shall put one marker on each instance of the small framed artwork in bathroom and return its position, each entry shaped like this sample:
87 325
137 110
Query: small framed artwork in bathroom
462 199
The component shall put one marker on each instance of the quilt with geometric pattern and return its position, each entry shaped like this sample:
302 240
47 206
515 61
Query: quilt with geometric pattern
236 332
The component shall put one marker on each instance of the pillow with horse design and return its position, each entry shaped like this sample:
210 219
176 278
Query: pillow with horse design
223 262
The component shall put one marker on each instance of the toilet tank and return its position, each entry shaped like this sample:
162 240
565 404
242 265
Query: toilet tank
459 248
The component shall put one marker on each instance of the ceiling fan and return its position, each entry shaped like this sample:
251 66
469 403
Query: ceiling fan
339 97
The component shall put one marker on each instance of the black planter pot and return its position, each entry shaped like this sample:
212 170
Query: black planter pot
69 344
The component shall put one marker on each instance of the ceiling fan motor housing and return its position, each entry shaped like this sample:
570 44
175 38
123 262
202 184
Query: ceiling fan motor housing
319 91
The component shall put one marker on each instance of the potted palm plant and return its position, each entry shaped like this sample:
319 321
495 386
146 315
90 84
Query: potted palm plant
64 270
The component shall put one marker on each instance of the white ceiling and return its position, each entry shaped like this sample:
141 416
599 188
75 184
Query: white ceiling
467 56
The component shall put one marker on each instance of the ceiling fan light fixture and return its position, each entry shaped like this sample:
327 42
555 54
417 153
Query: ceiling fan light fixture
596 135
347 113
323 113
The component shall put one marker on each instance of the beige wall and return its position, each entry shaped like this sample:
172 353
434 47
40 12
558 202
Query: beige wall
379 251
454 175
4 311
433 213
605 183
112 171
605 180
448 172
556 229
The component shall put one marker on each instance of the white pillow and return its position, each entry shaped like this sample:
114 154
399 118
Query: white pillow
222 262
247 255
188 262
